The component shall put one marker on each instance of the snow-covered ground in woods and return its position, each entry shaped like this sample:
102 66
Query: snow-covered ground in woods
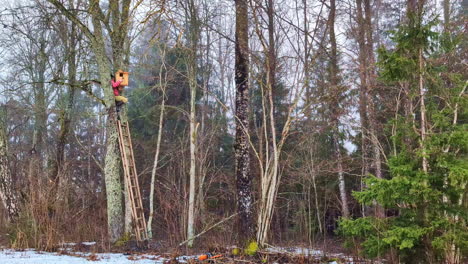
30 256
296 250
8 256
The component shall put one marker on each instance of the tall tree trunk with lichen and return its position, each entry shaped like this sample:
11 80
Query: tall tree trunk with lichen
119 20
246 227
112 170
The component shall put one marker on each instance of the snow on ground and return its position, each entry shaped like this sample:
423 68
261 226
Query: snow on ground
310 253
8 256
31 256
296 250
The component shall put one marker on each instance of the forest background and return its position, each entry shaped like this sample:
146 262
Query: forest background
288 121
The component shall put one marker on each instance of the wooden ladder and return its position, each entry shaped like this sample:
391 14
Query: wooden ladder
131 180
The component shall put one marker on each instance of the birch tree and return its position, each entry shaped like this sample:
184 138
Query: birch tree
274 138
192 15
8 193
270 176
336 94
162 85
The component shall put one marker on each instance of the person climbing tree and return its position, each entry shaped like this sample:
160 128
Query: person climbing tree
118 89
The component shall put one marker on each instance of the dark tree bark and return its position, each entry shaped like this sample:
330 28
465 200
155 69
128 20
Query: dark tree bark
414 6
371 147
243 175
371 88
363 93
70 40
38 144
446 15
271 49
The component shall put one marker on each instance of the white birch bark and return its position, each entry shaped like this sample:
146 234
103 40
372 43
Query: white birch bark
425 164
341 180
7 191
158 142
314 176
193 141
192 76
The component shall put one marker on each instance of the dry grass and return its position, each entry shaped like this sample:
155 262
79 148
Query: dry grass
56 213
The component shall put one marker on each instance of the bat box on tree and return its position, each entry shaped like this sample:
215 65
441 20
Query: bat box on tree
122 76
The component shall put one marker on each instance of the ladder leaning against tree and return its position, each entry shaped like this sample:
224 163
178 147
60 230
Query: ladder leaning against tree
131 180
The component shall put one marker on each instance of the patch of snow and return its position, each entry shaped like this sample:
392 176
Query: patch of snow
310 252
296 250
69 244
9 256
88 243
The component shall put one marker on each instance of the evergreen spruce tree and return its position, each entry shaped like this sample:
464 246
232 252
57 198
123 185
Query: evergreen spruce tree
426 193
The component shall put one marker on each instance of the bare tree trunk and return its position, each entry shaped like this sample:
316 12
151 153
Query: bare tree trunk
312 150
193 142
192 75
314 176
270 176
425 163
453 254
368 85
243 174
119 21
158 141
65 120
341 180
446 7
38 149
363 97
335 90
8 193
112 167
371 86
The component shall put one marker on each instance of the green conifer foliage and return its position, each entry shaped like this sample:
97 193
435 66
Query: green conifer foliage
427 212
